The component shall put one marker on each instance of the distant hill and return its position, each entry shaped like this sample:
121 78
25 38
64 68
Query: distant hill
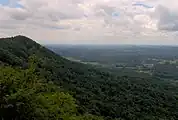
97 92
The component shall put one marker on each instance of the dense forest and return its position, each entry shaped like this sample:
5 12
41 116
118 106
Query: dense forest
38 84
25 95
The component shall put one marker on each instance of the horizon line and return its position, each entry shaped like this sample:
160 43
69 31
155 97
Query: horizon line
84 44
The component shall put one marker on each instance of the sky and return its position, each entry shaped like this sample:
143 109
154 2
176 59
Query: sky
91 21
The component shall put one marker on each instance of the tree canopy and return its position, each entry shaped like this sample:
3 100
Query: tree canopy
38 84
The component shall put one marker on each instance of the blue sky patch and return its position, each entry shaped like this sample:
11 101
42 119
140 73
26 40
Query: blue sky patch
18 6
4 2
115 14
142 4
7 3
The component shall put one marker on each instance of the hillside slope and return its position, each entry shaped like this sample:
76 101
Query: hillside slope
97 92
25 95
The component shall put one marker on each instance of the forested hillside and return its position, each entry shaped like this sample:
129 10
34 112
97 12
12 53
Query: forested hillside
38 84
26 95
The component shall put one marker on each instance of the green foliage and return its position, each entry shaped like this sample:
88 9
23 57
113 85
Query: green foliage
24 96
32 89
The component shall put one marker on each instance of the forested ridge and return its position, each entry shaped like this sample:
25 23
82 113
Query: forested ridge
39 84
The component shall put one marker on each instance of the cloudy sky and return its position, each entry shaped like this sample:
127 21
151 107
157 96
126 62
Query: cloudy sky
91 21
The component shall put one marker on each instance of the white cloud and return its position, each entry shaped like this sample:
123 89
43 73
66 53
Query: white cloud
167 18
97 21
